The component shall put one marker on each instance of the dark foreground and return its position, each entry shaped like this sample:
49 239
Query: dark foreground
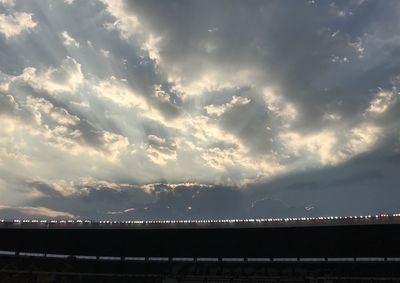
29 269
348 252
287 242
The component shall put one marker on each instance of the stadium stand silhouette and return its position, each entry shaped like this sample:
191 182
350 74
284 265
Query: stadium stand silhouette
321 249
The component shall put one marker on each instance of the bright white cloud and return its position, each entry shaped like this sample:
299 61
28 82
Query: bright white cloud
125 23
39 211
278 105
317 149
381 102
8 3
69 40
218 110
14 24
363 138
119 93
66 78
106 53
151 46
330 147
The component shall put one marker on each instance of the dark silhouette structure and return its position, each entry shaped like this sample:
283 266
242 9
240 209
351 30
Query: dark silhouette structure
328 250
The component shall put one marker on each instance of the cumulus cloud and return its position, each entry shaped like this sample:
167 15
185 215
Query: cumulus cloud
12 109
68 40
218 110
124 22
7 3
14 24
381 102
119 93
160 150
66 78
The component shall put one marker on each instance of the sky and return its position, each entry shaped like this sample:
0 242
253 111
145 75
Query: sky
118 109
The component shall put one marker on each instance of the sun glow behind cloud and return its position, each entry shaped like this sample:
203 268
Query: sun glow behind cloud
188 98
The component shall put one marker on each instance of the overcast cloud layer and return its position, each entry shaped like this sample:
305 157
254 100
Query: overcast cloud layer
117 109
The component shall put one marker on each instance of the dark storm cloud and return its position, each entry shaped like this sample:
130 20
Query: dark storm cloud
251 123
366 184
45 189
163 202
292 45
93 200
358 187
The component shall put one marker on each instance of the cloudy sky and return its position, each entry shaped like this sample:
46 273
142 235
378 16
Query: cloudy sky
118 109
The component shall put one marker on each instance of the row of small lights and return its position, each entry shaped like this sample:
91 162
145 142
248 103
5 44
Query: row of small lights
282 220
